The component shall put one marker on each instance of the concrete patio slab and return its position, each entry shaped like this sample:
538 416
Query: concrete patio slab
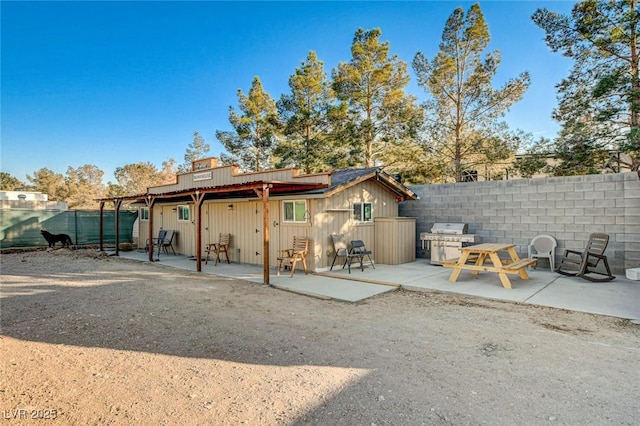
310 284
618 298
421 276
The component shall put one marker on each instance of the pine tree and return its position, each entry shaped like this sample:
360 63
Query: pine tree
599 102
380 113
463 127
195 151
256 127
306 115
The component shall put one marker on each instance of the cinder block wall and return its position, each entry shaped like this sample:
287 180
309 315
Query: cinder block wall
515 211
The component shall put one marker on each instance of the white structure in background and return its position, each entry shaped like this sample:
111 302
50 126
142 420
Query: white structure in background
16 200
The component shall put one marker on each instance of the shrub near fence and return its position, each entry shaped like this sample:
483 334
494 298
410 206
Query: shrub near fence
21 228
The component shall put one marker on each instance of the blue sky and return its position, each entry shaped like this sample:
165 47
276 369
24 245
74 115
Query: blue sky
115 83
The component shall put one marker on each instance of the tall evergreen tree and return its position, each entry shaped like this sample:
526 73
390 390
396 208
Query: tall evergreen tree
256 127
372 85
195 151
463 115
599 102
306 115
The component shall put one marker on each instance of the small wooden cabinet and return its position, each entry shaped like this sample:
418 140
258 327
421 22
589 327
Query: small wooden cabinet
395 240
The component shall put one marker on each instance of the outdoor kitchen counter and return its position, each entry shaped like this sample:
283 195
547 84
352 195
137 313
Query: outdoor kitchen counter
489 252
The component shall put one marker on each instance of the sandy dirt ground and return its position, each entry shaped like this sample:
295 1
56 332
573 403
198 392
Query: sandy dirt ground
91 340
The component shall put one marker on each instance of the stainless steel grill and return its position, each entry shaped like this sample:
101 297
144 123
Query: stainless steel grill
445 240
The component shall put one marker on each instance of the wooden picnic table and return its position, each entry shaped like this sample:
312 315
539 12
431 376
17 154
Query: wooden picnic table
473 258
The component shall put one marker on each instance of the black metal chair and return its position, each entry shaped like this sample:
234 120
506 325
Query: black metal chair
581 264
359 251
341 250
154 241
165 243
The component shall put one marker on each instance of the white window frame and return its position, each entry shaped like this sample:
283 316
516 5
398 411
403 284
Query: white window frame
295 203
359 209
144 214
180 210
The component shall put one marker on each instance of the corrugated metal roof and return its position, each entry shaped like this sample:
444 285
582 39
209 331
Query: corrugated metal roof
344 178
340 179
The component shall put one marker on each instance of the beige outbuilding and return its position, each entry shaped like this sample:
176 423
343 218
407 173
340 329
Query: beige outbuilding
264 211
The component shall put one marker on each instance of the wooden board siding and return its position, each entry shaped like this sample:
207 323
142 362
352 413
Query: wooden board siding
143 232
334 215
282 234
166 217
395 240
245 224
242 221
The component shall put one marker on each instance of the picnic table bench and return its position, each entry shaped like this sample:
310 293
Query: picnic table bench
475 259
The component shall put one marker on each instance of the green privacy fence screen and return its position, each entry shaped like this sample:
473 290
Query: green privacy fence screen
21 228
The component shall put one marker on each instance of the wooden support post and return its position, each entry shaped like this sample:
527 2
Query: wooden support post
265 226
263 195
198 198
101 226
117 203
150 201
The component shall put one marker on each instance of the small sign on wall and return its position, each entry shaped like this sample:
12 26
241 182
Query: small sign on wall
204 163
202 176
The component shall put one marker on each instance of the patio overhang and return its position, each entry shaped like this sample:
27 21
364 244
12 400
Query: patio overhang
259 190
242 190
